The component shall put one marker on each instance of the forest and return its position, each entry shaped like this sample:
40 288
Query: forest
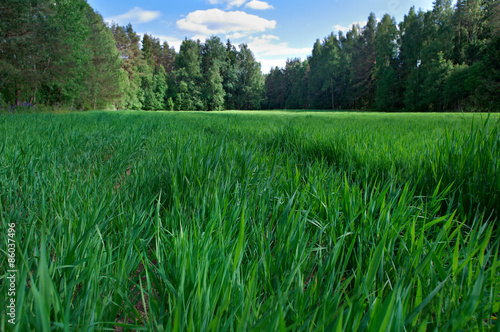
62 54
447 59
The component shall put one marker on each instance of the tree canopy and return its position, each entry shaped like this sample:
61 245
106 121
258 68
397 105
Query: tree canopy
441 60
62 53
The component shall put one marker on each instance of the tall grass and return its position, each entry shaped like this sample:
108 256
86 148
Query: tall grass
252 221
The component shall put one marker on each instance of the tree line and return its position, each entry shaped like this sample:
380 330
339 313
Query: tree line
444 59
202 76
62 53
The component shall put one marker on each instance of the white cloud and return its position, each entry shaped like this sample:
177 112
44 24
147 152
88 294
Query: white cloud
264 46
258 5
229 3
271 53
235 35
269 37
215 21
268 64
136 15
201 37
344 29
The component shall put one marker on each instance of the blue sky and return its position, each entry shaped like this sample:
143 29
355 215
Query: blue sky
274 30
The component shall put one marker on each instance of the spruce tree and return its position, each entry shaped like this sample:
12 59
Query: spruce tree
387 90
250 80
229 72
189 76
213 59
363 66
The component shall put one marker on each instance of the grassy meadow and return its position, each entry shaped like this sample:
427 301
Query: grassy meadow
236 221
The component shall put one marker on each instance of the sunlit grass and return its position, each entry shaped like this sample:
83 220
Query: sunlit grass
252 221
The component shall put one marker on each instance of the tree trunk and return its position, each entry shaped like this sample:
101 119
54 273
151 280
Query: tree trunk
18 96
333 98
33 96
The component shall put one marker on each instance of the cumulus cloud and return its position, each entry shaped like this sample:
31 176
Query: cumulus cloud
258 5
268 64
270 52
215 21
268 37
229 3
136 15
235 35
267 46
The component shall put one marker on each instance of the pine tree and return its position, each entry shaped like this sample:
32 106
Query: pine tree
316 92
388 92
147 50
127 43
275 89
213 59
363 66
410 56
436 50
250 80
160 89
346 95
189 76
296 80
214 91
106 79
167 58
229 72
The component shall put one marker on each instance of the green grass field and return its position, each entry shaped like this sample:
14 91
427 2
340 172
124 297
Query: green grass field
234 221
